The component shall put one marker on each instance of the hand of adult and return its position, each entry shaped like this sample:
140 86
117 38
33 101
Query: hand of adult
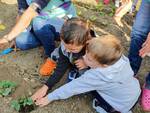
145 50
4 43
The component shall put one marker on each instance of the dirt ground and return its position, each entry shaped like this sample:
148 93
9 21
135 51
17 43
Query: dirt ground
22 67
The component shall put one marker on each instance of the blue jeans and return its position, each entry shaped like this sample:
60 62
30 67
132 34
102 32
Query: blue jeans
40 32
22 5
139 33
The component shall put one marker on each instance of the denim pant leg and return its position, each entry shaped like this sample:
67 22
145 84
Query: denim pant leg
46 33
140 30
26 40
22 5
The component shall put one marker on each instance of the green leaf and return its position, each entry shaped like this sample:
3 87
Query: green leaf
79 13
7 84
15 104
1 91
2 27
6 92
111 14
102 14
25 102
29 101
6 87
99 6
93 18
22 101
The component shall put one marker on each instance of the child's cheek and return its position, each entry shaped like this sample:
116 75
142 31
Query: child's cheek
88 63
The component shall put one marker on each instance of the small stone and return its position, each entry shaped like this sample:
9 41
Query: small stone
30 93
32 80
26 79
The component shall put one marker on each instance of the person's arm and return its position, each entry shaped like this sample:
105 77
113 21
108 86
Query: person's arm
145 50
23 23
62 66
122 10
89 81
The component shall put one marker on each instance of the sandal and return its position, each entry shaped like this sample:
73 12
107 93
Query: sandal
145 100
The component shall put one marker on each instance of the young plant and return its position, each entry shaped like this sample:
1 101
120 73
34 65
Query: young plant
99 6
23 104
7 87
93 18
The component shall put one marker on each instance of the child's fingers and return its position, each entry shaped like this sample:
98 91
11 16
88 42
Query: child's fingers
78 61
42 102
38 102
34 98
78 66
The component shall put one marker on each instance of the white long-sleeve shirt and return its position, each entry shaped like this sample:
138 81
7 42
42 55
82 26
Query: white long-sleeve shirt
116 84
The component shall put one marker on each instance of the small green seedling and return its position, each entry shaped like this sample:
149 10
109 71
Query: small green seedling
102 14
93 18
2 27
7 87
79 13
99 6
23 105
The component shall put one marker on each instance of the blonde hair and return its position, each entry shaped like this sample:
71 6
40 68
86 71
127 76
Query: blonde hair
106 49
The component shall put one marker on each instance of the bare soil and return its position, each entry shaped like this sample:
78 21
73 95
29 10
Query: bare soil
22 67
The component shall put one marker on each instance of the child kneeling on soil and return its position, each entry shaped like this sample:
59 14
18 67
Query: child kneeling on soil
74 35
110 79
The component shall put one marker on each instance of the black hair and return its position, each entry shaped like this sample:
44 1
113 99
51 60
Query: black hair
75 31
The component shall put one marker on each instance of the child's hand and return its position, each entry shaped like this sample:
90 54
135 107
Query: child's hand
80 64
40 93
42 102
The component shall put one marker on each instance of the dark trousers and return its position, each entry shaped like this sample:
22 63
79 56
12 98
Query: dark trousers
103 104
